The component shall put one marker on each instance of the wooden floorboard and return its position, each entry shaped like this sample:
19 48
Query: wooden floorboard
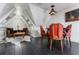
36 47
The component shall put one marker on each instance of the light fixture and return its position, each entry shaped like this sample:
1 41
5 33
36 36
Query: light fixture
52 11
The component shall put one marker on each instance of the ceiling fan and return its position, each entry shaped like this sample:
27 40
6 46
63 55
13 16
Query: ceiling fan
52 11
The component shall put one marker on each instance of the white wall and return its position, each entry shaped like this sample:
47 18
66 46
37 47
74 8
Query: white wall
60 18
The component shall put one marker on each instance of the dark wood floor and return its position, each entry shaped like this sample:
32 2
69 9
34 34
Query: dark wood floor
36 47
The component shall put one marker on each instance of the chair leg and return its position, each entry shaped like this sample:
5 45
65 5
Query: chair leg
48 42
61 43
64 41
70 41
41 38
51 44
67 41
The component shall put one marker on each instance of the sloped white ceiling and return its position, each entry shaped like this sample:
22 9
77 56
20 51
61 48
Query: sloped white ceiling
34 12
2 6
58 6
26 12
38 15
6 9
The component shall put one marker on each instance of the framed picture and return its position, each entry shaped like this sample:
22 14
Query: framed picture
72 15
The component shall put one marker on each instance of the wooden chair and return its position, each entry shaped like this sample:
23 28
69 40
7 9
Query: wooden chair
56 33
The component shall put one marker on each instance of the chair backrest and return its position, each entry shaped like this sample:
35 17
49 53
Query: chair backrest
68 28
42 31
60 33
56 31
51 31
